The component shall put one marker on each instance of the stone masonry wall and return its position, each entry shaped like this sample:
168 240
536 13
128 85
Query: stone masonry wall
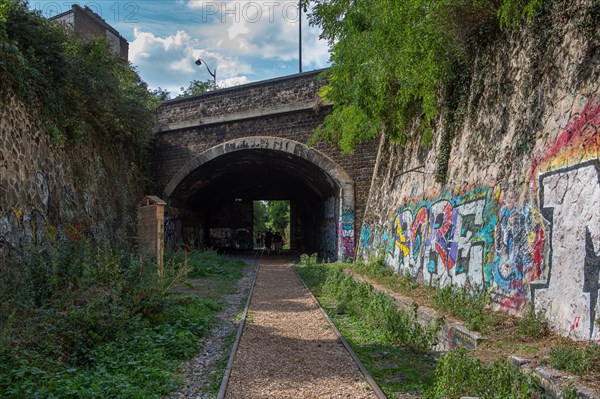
50 192
519 216
173 149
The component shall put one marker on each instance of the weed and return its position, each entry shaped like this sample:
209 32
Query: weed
568 391
83 321
457 375
309 260
533 325
208 263
376 308
250 317
469 306
576 360
217 377
376 270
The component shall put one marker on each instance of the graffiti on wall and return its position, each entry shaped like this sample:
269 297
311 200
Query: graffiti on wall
328 243
366 235
220 237
22 228
545 250
346 234
520 253
443 241
570 200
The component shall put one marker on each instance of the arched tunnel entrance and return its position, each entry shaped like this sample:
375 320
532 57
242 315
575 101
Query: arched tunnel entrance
213 196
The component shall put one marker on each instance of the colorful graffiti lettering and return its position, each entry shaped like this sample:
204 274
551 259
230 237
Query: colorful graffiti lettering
365 236
520 253
545 250
347 234
569 199
467 240
442 241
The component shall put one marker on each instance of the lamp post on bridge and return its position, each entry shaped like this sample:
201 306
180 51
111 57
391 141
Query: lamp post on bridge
199 61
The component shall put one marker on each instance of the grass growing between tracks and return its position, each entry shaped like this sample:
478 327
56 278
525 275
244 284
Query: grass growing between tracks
395 349
389 342
528 336
82 321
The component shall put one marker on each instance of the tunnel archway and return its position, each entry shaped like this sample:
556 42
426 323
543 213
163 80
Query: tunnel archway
215 190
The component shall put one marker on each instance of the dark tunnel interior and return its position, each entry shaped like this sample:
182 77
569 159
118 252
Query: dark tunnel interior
216 200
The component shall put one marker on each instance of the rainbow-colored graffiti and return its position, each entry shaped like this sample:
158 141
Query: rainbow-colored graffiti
442 241
545 249
520 253
466 240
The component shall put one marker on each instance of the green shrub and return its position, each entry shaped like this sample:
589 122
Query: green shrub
468 306
309 260
79 87
457 375
86 321
575 360
533 325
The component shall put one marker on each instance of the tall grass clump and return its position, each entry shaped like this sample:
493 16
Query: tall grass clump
208 263
377 309
458 375
573 359
377 270
466 305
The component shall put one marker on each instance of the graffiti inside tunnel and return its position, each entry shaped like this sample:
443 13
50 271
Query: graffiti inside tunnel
346 234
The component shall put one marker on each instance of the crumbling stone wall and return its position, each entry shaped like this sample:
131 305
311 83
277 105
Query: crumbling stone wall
50 192
519 215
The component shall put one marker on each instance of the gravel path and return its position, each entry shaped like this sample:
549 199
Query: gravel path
288 349
198 372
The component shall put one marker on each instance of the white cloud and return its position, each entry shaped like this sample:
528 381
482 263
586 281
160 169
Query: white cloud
238 80
246 41
266 29
159 57
183 65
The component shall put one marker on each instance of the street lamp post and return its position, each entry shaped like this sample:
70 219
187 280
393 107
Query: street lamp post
300 36
199 61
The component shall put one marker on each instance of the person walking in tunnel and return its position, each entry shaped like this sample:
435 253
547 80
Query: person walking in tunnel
278 243
259 241
268 241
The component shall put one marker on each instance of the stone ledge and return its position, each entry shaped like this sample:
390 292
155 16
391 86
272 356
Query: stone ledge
237 116
553 381
457 335
453 335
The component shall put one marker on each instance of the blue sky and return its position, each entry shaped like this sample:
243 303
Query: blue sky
246 40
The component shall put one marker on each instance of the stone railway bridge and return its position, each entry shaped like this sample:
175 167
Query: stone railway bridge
215 153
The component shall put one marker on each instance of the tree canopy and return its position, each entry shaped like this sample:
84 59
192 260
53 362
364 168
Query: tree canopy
79 86
390 59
